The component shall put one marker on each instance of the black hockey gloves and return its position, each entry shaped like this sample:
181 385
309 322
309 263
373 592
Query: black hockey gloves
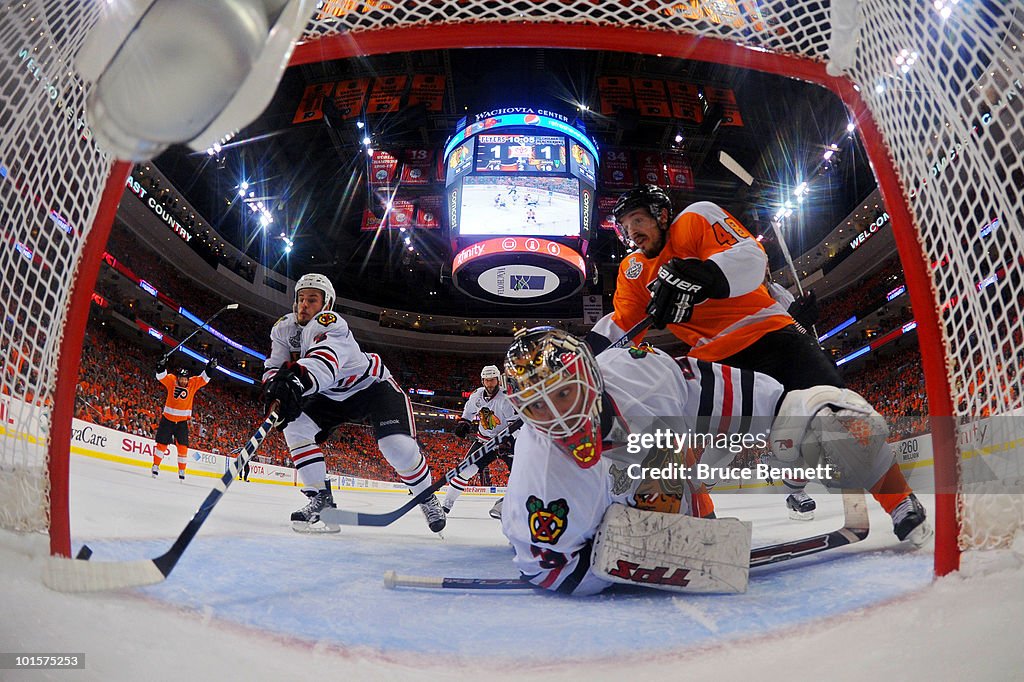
286 388
211 366
681 284
161 365
463 428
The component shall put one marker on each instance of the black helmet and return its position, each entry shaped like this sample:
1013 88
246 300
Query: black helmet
650 197
183 372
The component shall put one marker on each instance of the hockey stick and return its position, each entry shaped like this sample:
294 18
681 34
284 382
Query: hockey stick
485 454
855 528
81 575
204 325
480 457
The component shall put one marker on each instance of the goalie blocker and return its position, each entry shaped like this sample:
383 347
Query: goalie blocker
671 551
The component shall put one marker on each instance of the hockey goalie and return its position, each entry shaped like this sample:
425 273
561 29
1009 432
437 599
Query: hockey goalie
578 520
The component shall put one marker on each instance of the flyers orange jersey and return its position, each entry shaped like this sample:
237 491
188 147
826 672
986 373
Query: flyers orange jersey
721 327
178 407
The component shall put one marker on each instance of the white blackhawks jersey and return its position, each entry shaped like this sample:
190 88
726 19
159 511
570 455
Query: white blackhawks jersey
326 348
491 414
553 507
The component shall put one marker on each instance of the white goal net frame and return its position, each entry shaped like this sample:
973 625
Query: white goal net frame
945 140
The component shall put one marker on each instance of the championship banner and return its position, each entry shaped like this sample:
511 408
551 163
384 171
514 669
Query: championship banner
386 95
349 96
650 168
416 166
428 212
605 204
727 98
311 107
678 173
617 169
685 103
371 223
382 168
651 98
615 93
400 215
429 90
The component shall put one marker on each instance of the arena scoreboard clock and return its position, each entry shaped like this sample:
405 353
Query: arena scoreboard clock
525 178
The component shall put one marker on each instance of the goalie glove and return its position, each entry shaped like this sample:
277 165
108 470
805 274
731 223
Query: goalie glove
681 284
463 428
287 388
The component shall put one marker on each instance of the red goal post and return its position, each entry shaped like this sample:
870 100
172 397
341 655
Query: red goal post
944 139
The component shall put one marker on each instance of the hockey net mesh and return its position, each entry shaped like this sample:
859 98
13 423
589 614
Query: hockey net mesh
51 178
952 122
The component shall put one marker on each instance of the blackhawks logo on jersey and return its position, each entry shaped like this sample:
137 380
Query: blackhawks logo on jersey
640 350
547 523
327 319
488 420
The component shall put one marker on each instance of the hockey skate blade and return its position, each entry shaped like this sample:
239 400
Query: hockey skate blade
920 536
801 516
76 575
319 528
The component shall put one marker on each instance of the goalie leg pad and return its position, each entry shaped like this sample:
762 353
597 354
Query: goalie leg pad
671 551
833 426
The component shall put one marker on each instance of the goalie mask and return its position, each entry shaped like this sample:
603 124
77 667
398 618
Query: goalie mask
318 282
555 383
488 373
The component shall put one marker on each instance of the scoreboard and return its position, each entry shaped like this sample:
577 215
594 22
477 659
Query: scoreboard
519 191
520 153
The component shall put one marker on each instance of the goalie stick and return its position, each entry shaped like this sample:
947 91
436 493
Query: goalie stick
855 528
81 575
480 457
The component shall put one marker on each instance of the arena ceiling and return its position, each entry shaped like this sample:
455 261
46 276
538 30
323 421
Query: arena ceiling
313 175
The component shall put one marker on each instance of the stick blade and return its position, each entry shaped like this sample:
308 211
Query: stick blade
75 575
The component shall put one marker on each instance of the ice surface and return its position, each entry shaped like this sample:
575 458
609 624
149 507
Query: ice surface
253 599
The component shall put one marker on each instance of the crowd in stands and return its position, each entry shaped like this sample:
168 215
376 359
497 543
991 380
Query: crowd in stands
870 291
247 328
117 388
894 384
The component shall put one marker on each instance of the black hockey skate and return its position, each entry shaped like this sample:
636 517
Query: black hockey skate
801 506
307 519
434 514
908 522
156 471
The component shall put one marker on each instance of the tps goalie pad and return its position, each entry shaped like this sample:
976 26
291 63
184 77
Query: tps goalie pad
184 71
825 425
671 551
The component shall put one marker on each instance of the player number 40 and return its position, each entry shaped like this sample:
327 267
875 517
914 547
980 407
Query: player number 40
730 233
